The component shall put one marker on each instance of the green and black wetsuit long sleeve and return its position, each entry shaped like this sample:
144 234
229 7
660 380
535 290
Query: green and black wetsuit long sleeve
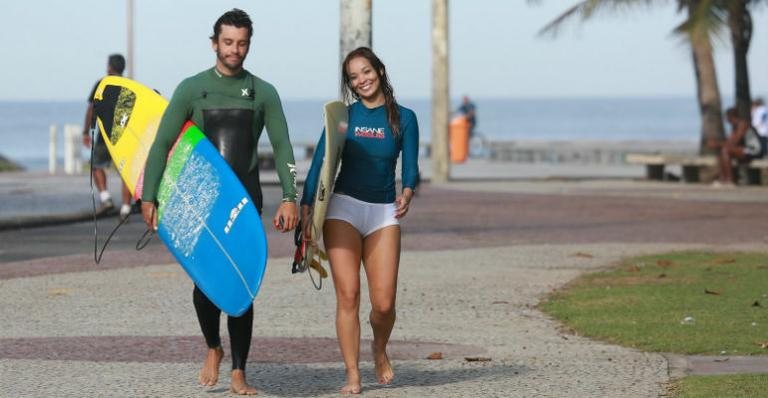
232 111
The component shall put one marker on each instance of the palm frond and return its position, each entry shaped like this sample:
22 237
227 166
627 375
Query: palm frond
706 19
586 9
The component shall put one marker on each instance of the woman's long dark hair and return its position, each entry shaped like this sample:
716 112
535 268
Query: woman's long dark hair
348 93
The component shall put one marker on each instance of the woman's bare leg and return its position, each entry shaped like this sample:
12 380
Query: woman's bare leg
381 257
344 247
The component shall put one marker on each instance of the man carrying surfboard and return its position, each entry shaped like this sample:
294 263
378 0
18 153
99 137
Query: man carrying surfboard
362 220
101 159
231 106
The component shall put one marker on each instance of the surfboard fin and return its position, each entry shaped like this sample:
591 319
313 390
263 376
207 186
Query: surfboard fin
323 255
319 268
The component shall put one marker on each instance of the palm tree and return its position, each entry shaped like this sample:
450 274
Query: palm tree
740 25
704 19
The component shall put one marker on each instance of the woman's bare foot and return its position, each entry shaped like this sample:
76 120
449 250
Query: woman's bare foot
384 371
353 383
209 374
239 386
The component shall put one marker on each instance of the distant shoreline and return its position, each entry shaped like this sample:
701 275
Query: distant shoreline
9 165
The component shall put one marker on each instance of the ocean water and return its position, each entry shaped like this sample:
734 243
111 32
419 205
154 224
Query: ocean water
24 125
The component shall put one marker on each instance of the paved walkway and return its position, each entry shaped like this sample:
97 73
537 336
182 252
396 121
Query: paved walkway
469 286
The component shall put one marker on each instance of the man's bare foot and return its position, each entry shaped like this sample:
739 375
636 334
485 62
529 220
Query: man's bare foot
239 386
353 383
209 374
384 371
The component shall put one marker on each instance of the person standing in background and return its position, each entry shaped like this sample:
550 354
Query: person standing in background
100 158
469 111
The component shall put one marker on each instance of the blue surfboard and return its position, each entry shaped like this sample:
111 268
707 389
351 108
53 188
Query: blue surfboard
209 223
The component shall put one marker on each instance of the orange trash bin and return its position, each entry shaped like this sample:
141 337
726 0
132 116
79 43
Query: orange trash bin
458 139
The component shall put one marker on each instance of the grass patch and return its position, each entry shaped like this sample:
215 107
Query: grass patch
685 302
734 386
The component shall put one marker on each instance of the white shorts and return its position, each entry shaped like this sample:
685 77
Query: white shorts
366 217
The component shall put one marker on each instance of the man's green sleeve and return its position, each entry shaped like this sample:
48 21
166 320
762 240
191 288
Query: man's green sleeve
177 112
277 129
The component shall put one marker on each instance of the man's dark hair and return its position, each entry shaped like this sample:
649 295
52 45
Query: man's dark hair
116 62
235 17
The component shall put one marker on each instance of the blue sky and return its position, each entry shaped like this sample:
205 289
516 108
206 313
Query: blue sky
57 50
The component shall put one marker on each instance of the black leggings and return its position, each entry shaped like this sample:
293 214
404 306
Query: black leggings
240 328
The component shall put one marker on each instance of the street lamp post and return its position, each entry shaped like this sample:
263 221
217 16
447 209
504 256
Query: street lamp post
130 39
440 92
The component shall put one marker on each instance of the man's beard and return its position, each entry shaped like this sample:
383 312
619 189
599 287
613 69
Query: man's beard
229 65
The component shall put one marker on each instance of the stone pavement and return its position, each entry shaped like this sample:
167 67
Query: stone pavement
479 255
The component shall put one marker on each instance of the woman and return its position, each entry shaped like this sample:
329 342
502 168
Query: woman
362 223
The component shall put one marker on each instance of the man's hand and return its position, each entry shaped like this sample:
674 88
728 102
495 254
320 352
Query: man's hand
87 140
149 212
286 217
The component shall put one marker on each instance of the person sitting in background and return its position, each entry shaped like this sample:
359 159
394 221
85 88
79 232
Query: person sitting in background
743 143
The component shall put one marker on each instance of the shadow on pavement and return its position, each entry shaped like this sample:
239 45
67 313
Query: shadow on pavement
312 381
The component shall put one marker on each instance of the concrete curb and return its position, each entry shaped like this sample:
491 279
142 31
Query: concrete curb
19 222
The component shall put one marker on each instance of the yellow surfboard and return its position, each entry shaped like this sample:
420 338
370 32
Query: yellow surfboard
127 126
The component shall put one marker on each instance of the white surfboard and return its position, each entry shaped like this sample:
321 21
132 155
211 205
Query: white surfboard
336 120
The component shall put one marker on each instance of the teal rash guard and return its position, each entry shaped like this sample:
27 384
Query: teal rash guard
370 156
232 111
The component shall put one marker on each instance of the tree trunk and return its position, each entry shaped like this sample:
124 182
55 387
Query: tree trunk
440 92
355 25
708 95
740 24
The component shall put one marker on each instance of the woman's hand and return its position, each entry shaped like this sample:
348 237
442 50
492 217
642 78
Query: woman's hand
403 203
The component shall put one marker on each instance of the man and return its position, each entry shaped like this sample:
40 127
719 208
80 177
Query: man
467 109
101 159
231 106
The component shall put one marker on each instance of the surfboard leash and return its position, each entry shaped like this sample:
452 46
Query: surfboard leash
97 254
301 263
145 238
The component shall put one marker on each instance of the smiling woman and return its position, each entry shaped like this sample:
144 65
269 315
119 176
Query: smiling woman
363 218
